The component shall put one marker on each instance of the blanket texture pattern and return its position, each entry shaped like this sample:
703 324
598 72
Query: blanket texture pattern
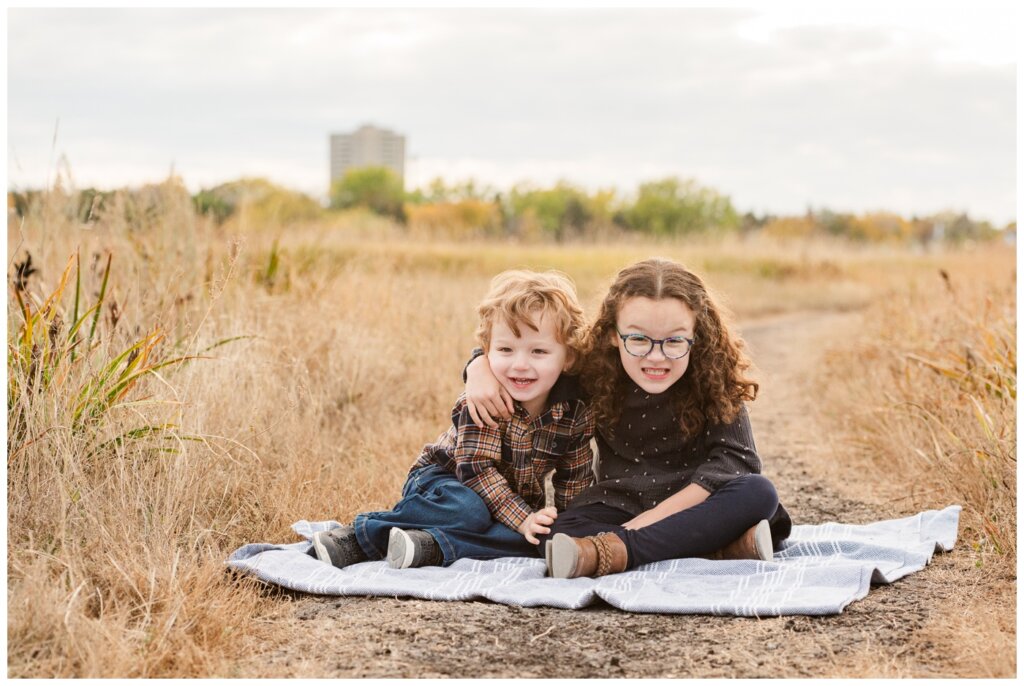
820 570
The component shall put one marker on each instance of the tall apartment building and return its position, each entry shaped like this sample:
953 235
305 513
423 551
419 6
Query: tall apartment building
367 147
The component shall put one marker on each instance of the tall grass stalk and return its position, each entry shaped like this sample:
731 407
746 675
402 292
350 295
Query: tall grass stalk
928 399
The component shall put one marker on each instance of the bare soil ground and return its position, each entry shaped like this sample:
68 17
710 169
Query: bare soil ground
954 618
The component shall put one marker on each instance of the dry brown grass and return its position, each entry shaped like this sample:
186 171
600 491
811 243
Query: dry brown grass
927 396
923 404
354 342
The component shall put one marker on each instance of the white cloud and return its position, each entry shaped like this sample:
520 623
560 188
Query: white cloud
977 33
776 108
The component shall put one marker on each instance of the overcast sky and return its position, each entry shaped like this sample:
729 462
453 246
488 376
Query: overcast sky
911 110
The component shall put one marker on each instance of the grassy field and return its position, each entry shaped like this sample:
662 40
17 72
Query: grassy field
929 395
237 378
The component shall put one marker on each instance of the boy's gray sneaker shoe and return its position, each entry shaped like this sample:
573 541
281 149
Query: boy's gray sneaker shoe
413 548
338 547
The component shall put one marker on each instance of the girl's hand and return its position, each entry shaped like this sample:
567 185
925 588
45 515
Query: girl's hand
538 523
638 522
486 399
692 494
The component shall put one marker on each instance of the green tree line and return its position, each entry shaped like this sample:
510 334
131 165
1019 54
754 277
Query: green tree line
664 208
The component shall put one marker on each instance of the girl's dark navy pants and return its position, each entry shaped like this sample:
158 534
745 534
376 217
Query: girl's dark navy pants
695 532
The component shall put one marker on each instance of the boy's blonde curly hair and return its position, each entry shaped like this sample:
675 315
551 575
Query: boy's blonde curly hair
518 296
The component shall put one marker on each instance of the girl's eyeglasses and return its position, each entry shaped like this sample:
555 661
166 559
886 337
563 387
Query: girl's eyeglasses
638 345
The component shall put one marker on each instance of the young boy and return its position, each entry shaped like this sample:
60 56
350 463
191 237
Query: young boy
479 491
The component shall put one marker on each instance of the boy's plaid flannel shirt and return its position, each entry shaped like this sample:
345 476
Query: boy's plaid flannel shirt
506 466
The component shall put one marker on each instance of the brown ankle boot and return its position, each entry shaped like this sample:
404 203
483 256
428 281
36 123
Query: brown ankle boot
754 544
569 558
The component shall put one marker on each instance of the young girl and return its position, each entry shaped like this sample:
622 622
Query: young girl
678 474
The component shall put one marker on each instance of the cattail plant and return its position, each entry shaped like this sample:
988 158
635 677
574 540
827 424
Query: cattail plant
65 372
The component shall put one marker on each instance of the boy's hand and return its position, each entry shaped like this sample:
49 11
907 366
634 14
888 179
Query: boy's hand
538 523
486 399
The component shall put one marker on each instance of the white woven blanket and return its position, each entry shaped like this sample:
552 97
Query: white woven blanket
821 570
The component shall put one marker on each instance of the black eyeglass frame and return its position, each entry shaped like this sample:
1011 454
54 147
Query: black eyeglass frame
655 341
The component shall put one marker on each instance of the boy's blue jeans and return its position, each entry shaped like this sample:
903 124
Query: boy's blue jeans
435 501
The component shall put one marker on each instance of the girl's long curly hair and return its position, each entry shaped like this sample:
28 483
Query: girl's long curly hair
714 386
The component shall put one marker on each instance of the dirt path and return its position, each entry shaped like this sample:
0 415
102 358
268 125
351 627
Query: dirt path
907 629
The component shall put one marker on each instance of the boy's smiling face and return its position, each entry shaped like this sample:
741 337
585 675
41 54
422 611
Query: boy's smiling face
528 365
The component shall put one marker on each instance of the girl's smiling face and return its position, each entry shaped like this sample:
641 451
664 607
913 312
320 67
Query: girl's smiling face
656 319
